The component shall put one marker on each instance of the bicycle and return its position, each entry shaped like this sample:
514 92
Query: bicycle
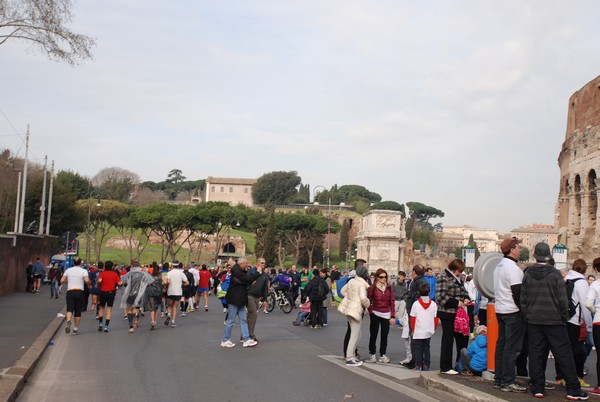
280 298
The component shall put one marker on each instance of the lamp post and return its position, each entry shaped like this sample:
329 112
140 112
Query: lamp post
92 195
316 191
229 234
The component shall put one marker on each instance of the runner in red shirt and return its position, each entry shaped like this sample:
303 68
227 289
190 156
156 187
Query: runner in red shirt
108 281
204 285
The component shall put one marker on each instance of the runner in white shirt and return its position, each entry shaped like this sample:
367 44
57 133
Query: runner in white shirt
175 279
75 277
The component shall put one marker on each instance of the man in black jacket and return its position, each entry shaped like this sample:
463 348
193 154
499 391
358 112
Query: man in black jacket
317 291
545 307
237 300
418 278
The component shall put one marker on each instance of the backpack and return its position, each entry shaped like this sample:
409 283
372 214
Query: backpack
284 280
155 288
223 287
339 284
323 290
570 285
190 277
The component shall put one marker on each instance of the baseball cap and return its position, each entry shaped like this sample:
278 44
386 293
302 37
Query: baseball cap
508 244
542 252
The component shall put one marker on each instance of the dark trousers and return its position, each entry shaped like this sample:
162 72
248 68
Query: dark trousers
422 353
377 322
577 347
316 312
521 362
482 316
470 310
554 338
511 330
449 337
596 334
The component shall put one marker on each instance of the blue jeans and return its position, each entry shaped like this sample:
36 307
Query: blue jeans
511 332
54 286
232 312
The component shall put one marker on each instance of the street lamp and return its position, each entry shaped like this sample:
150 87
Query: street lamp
91 196
229 235
316 191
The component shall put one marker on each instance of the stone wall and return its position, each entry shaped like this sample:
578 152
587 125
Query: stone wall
16 251
576 212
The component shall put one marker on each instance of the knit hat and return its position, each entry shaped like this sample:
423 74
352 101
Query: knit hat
480 329
362 271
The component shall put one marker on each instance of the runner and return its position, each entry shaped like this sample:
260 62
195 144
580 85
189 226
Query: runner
136 281
175 281
108 280
75 277
203 287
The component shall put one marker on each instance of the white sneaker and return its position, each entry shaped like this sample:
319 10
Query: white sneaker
405 361
384 359
373 359
249 343
227 344
450 372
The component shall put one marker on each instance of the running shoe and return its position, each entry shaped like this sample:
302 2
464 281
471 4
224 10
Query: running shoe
68 327
372 359
583 383
152 325
514 387
106 328
383 359
100 328
581 396
168 320
450 372
595 391
538 394
205 308
249 343
131 330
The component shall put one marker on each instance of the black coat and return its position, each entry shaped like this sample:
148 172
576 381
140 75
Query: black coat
237 294
312 289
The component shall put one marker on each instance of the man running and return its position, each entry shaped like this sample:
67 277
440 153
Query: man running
136 281
203 286
75 277
175 281
108 280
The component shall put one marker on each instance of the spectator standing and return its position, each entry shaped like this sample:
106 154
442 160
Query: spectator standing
545 307
38 272
317 291
451 295
54 275
424 320
381 314
352 306
257 295
432 281
511 326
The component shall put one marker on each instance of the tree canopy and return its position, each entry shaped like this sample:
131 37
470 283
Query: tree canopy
423 213
388 205
44 24
276 188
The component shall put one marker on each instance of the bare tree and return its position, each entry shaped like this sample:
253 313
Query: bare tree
116 183
43 23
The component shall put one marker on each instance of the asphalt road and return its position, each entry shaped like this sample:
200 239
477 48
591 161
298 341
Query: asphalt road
186 363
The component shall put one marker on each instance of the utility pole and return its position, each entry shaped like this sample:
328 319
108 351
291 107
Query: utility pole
24 188
18 203
50 200
43 207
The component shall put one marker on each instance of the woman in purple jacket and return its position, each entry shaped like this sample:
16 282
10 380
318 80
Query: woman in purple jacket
381 312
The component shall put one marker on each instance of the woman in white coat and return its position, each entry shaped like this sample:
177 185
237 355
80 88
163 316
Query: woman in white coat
353 307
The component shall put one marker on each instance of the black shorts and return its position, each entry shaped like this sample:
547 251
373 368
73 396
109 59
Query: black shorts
75 302
107 298
174 298
37 276
187 292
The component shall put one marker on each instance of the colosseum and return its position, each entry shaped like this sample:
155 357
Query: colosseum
577 206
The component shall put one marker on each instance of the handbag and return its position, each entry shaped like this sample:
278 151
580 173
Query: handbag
461 321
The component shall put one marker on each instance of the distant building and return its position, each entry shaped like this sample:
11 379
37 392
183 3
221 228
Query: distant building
231 190
486 239
534 234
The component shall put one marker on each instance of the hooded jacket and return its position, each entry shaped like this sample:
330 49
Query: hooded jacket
544 296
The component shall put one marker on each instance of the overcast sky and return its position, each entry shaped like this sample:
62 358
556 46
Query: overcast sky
460 105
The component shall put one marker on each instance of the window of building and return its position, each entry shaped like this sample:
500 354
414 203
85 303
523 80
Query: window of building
212 189
222 189
245 190
231 189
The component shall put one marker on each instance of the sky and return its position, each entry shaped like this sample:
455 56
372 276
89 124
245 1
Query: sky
459 105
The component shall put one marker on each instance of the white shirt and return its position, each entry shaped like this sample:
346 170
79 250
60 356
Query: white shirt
196 274
176 278
580 295
425 320
506 274
75 277
593 299
471 289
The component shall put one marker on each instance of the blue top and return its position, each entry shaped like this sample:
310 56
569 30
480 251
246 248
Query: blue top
478 352
432 280
38 268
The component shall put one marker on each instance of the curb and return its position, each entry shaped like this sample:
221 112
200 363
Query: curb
12 381
436 382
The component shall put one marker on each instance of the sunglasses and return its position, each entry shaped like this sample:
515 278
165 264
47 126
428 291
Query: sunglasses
382 277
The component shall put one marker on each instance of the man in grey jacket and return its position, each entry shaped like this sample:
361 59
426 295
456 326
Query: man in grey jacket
545 307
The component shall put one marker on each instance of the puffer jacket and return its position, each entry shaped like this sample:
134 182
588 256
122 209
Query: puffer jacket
355 298
478 352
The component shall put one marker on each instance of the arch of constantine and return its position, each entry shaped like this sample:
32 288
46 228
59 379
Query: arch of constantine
577 211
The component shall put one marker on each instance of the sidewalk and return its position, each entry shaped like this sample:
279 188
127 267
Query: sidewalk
29 322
